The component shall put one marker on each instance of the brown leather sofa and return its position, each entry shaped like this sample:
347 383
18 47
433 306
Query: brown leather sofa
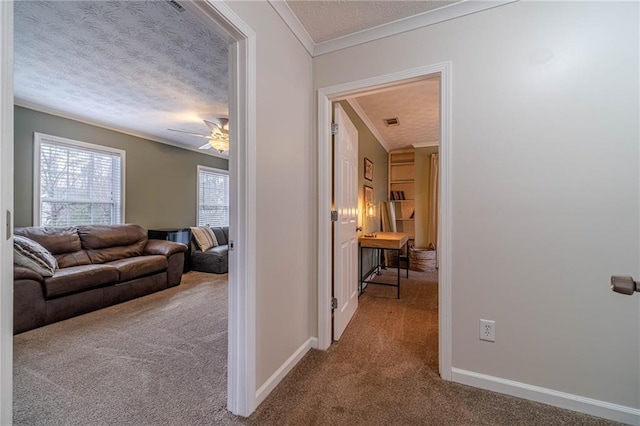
98 266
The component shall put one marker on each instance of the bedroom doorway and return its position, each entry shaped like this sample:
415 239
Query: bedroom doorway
398 194
241 340
357 88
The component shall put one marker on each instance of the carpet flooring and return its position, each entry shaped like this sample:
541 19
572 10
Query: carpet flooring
384 371
161 360
156 360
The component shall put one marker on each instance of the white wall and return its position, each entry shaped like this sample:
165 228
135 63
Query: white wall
286 194
545 191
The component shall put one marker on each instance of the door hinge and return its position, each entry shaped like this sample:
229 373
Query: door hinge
334 128
334 215
334 303
231 245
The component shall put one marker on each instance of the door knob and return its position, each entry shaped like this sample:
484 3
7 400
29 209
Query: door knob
624 285
359 228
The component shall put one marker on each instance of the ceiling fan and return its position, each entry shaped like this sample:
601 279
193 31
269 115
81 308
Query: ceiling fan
219 137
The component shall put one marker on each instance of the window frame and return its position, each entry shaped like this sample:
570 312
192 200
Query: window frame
38 139
201 168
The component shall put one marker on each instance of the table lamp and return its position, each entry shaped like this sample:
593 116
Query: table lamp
370 212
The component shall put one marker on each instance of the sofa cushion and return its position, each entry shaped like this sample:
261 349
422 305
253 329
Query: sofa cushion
220 236
105 243
32 255
204 236
218 251
63 243
140 266
213 260
79 278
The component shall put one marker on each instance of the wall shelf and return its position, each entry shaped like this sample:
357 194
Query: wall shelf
402 189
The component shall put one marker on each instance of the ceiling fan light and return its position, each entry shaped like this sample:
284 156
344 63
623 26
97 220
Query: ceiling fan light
220 144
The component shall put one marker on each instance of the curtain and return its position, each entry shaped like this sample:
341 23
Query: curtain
432 228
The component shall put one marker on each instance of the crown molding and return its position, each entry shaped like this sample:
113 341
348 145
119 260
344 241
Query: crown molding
425 144
445 13
367 122
91 122
435 16
282 8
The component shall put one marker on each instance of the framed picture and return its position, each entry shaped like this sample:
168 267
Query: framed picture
368 195
368 170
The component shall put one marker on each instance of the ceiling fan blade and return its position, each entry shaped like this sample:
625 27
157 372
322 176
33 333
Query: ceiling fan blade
211 125
205 146
190 133
220 124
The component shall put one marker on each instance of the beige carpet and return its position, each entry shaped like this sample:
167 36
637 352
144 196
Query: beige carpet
161 360
156 360
383 371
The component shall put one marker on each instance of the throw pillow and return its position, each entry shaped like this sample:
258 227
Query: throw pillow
30 254
212 235
204 237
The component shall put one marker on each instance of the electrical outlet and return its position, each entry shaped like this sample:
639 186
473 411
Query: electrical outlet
487 330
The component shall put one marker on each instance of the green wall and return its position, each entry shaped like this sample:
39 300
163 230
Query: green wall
422 187
369 147
160 179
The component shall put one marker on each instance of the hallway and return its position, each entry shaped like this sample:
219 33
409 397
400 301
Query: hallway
384 371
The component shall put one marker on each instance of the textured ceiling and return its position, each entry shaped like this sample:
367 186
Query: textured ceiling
136 65
329 19
144 67
417 107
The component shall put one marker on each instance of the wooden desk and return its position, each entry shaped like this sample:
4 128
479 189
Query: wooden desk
383 241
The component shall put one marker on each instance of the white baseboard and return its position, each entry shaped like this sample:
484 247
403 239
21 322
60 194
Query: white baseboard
276 378
594 407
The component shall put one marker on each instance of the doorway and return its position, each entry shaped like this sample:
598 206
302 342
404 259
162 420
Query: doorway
331 94
241 341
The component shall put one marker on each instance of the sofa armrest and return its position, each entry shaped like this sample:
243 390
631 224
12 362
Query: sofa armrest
164 248
29 306
21 273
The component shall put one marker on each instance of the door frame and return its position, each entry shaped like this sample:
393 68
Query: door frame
241 353
326 96
241 376
6 205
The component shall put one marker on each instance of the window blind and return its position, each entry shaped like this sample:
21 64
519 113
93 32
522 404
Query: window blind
79 184
213 198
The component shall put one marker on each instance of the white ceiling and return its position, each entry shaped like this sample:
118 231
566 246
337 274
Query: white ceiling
326 20
141 67
415 105
324 26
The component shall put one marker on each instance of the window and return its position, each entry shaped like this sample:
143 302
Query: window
213 197
77 183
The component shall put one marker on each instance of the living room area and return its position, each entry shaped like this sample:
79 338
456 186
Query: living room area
121 191
112 353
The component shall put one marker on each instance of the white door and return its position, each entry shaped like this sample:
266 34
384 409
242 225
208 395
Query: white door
345 236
